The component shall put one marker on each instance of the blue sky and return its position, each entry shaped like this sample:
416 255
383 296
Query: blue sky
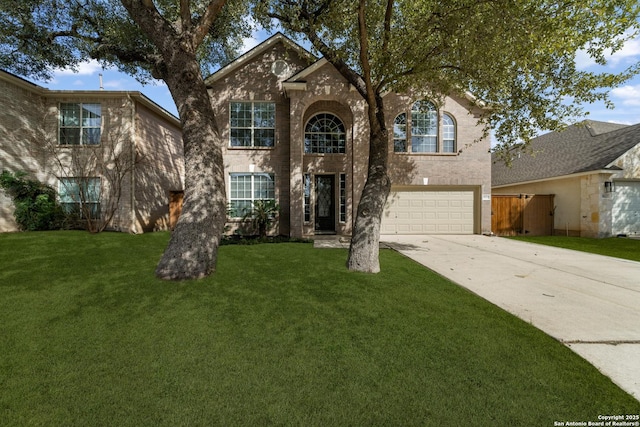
626 98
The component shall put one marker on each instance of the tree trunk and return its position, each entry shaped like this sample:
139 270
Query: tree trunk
365 243
193 248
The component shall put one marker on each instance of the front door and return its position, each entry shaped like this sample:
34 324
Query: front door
325 203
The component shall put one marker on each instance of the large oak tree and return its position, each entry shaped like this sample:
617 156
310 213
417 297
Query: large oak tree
518 57
172 40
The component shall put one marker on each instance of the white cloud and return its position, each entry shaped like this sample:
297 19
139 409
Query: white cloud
628 95
249 43
628 54
118 84
85 68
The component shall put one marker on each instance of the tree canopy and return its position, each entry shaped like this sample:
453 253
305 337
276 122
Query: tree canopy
40 36
519 58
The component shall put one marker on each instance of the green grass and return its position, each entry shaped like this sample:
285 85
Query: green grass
282 334
614 246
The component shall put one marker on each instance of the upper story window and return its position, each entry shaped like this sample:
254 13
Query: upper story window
80 124
424 127
423 133
448 134
324 134
253 124
400 133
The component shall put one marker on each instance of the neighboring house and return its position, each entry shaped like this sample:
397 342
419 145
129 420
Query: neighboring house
296 132
592 169
50 134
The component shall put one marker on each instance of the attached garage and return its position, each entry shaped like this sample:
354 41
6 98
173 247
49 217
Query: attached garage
431 210
626 208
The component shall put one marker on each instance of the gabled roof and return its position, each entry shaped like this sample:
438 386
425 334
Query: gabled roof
256 51
97 94
580 148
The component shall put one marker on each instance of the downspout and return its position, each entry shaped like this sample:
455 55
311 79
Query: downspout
133 228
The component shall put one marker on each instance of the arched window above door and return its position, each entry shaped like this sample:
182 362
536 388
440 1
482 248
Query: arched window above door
324 133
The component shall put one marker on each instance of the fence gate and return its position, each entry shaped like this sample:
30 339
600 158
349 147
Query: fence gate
522 214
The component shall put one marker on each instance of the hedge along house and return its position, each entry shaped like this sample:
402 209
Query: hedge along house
64 138
297 133
592 169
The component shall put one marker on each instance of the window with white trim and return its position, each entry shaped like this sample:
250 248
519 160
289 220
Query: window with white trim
448 134
424 127
307 197
324 134
400 133
253 124
427 130
343 197
245 188
80 196
79 124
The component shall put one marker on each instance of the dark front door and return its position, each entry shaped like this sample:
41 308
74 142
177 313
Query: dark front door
325 203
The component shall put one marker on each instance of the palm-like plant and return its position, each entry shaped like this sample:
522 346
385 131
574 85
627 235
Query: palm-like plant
262 215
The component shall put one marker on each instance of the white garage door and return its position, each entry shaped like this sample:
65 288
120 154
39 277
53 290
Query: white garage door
429 212
626 208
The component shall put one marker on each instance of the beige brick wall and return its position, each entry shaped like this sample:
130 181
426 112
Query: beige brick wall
21 122
160 169
254 81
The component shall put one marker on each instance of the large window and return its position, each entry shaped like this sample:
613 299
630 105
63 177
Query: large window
80 196
324 134
253 124
245 188
424 127
80 124
423 133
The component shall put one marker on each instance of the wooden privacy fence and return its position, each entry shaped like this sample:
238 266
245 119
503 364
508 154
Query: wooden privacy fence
522 214
175 207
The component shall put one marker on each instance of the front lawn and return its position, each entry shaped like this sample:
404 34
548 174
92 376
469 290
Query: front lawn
282 334
617 247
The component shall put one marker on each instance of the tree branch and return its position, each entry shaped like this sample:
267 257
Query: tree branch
209 16
185 15
363 35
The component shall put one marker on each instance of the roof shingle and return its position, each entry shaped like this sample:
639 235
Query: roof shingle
582 147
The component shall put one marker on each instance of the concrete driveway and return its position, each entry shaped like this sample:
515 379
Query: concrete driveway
591 303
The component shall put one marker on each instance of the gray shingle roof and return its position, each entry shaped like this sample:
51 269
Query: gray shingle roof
582 147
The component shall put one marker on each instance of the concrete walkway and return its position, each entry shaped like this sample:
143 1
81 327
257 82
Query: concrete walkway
589 302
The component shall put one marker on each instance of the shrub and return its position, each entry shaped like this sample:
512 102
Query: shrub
35 203
262 214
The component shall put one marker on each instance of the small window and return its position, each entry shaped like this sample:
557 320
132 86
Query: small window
307 197
246 188
253 124
424 127
400 133
448 134
324 134
80 124
80 196
343 197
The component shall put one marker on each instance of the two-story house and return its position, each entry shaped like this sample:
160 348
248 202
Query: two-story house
296 132
95 148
